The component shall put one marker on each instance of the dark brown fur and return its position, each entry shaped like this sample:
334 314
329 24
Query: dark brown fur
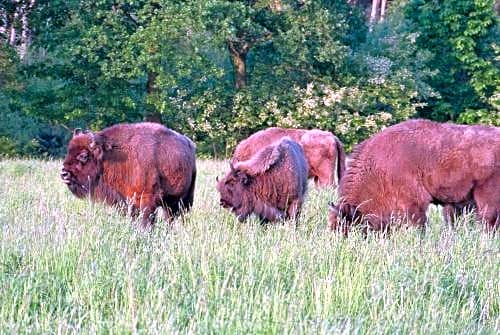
401 170
322 149
145 165
272 184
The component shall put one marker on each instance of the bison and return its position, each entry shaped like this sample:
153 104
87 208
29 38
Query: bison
145 165
322 150
398 172
272 184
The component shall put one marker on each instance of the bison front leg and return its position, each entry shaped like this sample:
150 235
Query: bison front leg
450 214
267 212
145 205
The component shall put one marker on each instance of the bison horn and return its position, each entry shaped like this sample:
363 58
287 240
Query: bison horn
217 178
92 138
77 131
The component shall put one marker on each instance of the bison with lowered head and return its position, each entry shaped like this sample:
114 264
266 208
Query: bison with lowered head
272 184
145 165
398 172
324 152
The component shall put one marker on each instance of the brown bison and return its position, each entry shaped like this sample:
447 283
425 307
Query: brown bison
272 184
145 165
322 150
398 172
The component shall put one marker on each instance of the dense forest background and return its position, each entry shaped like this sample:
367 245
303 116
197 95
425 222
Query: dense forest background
220 70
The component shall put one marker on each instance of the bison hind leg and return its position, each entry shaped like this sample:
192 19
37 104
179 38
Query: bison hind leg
487 198
171 208
174 207
325 174
293 211
451 212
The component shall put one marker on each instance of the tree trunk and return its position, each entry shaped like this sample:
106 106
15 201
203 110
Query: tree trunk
25 29
151 115
373 14
5 24
13 33
238 51
383 7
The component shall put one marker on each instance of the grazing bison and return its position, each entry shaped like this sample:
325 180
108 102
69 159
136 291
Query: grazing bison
322 150
271 184
145 165
401 170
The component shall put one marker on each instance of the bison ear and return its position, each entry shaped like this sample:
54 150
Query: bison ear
97 145
77 131
333 208
97 152
108 146
243 177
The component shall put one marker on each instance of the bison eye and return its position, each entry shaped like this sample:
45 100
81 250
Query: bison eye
83 157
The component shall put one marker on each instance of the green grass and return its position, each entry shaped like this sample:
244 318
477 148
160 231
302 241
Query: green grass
71 266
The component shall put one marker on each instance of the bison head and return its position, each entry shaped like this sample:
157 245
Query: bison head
233 190
340 217
83 163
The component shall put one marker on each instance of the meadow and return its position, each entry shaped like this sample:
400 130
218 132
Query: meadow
72 266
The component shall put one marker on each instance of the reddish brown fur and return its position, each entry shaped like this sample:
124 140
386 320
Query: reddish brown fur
406 167
322 149
272 184
144 164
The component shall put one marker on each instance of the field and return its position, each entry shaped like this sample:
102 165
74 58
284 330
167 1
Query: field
70 266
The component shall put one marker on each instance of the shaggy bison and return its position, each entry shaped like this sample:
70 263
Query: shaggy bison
271 184
145 165
401 170
322 150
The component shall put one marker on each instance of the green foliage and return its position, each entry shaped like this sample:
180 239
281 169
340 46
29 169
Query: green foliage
8 68
293 69
311 64
463 36
21 133
7 147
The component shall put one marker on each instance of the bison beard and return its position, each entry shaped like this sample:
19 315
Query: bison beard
145 165
272 184
323 151
398 172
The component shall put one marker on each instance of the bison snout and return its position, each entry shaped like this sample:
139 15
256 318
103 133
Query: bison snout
224 203
65 176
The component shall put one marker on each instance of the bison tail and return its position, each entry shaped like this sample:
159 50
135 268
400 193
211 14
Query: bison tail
189 198
340 160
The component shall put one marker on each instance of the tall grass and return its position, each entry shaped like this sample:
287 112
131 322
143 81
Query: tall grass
71 266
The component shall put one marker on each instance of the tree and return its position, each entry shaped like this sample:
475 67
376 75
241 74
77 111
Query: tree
462 35
111 61
14 24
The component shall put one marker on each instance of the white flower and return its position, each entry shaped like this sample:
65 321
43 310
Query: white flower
310 103
309 89
385 116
